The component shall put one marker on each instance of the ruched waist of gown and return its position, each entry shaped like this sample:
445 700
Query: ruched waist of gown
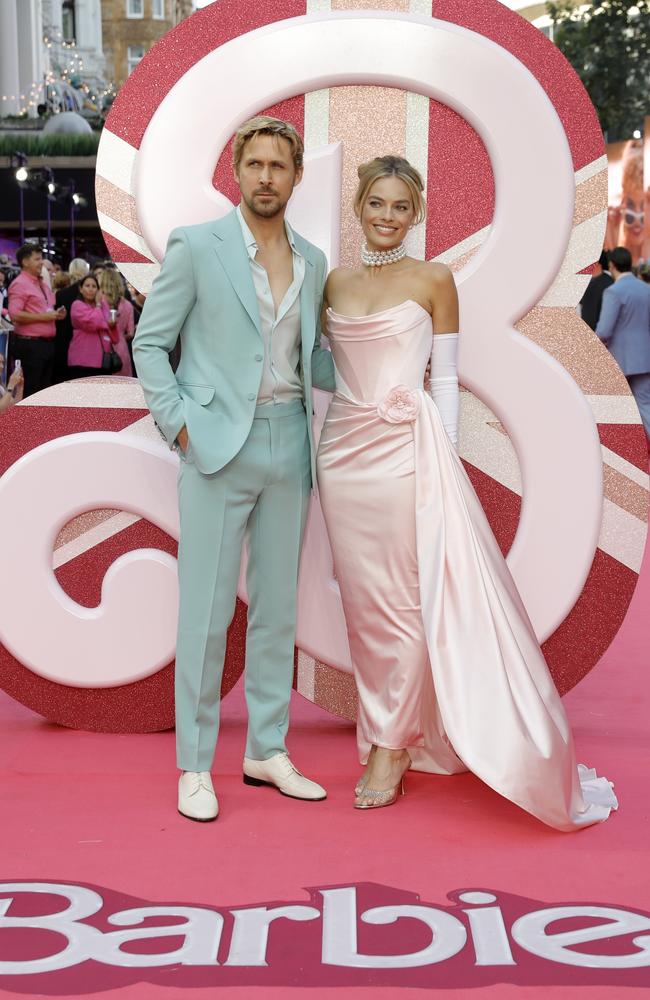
400 404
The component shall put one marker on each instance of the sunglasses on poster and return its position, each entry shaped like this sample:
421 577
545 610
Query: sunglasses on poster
631 217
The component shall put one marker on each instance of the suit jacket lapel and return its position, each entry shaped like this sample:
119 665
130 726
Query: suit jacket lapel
231 250
308 296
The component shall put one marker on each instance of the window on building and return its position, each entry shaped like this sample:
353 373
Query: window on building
135 8
545 25
159 9
134 54
67 20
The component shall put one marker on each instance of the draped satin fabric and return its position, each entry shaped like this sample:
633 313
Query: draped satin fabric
445 657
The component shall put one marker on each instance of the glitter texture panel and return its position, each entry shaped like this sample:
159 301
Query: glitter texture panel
562 333
543 59
591 195
626 494
117 204
335 691
371 121
180 49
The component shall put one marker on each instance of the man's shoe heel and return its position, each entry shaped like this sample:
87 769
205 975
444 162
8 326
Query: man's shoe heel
253 781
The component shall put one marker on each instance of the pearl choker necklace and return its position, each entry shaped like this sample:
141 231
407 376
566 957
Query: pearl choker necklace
375 258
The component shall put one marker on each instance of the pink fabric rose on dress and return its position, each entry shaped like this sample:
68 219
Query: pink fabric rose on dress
400 406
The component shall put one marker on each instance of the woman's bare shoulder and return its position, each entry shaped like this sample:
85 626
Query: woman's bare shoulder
338 278
437 273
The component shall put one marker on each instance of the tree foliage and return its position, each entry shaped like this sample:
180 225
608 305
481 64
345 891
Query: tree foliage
608 44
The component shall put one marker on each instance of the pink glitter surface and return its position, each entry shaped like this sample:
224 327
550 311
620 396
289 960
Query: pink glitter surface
180 49
545 61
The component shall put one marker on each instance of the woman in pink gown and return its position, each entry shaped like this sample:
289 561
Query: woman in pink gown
449 672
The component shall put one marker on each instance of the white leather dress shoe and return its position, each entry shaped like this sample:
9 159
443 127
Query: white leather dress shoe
196 798
279 771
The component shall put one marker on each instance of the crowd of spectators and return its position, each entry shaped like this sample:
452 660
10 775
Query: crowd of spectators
62 324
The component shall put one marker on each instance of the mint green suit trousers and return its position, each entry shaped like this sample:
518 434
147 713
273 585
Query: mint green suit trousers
262 496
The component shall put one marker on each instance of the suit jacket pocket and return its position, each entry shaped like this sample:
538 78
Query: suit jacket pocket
201 394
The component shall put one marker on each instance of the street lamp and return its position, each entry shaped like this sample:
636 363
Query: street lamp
19 162
77 201
49 198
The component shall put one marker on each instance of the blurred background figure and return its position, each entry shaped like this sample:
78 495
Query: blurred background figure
65 297
91 335
60 279
591 302
15 384
4 292
47 271
119 313
624 325
33 314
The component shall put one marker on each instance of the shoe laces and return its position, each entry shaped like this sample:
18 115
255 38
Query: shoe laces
288 765
200 779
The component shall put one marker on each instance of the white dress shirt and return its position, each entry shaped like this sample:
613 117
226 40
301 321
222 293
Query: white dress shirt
281 333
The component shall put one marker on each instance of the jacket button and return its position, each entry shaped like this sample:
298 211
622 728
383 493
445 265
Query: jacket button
259 357
251 395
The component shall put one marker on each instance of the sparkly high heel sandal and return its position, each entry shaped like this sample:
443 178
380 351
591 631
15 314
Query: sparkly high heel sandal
380 799
386 797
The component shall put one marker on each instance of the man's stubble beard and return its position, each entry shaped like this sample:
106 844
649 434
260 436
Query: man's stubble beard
265 212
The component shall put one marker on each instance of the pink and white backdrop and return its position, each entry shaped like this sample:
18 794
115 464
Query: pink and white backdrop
516 182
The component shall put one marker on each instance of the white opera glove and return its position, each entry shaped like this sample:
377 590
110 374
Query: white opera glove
444 381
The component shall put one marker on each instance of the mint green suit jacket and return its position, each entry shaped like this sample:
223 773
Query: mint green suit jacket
205 294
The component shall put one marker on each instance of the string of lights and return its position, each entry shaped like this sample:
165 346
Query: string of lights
74 66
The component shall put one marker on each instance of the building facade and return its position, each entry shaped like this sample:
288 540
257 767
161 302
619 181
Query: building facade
131 27
23 62
47 42
88 44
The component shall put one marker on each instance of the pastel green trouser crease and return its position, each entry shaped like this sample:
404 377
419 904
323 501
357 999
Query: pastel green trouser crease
261 495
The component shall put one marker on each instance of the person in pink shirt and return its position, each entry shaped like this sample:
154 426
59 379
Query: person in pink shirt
33 314
93 334
115 306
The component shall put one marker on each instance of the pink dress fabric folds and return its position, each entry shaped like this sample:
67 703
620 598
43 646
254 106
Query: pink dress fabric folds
445 657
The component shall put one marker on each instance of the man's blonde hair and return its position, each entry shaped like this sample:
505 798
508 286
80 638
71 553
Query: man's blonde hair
265 125
390 166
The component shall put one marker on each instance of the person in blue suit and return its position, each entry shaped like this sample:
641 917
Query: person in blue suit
244 294
624 325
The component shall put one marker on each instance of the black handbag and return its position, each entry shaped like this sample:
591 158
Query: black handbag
111 361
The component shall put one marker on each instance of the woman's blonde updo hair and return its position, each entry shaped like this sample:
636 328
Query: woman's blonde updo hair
390 166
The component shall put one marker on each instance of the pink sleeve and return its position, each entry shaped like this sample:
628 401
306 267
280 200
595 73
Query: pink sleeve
128 313
17 298
88 319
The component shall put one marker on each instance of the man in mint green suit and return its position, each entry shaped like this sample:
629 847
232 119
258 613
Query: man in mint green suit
244 295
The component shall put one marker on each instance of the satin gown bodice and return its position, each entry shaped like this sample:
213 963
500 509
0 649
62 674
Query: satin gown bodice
367 371
445 658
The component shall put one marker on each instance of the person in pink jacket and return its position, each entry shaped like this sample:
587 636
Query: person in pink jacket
93 332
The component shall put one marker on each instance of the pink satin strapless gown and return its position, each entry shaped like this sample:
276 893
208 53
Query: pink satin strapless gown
445 657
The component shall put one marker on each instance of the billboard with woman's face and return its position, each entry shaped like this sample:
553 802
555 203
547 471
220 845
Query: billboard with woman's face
626 216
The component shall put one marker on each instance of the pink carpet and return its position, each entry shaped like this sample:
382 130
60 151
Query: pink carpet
99 811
